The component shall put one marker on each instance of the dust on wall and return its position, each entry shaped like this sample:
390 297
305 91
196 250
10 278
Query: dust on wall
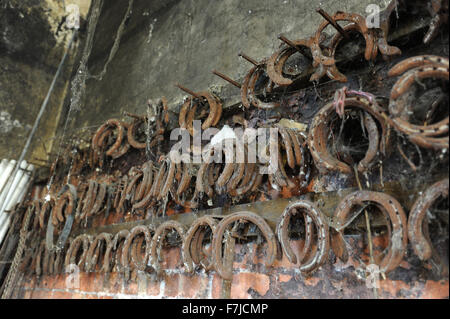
33 39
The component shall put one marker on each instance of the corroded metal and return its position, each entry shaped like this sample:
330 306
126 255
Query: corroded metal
415 69
420 240
192 244
158 238
313 218
346 212
320 127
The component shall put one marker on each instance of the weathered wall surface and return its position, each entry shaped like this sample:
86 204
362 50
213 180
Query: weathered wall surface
32 42
182 41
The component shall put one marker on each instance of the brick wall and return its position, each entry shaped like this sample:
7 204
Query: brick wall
251 279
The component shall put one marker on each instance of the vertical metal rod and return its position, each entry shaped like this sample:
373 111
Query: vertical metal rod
38 118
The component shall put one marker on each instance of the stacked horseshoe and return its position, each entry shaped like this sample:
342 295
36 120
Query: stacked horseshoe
412 70
114 138
190 106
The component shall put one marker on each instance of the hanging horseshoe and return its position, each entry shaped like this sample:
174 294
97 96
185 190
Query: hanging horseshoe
276 62
439 16
46 210
326 64
39 259
131 133
317 219
243 216
100 136
158 238
416 68
113 260
381 34
192 244
319 130
139 265
187 111
253 80
146 190
93 254
67 201
82 241
392 210
181 190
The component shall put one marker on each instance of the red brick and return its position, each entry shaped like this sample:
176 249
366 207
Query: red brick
392 287
59 282
54 281
115 283
284 263
27 294
243 281
284 278
311 281
435 290
46 282
130 288
216 289
153 287
142 280
379 242
256 254
246 258
83 282
193 286
61 295
41 294
88 282
172 283
96 282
